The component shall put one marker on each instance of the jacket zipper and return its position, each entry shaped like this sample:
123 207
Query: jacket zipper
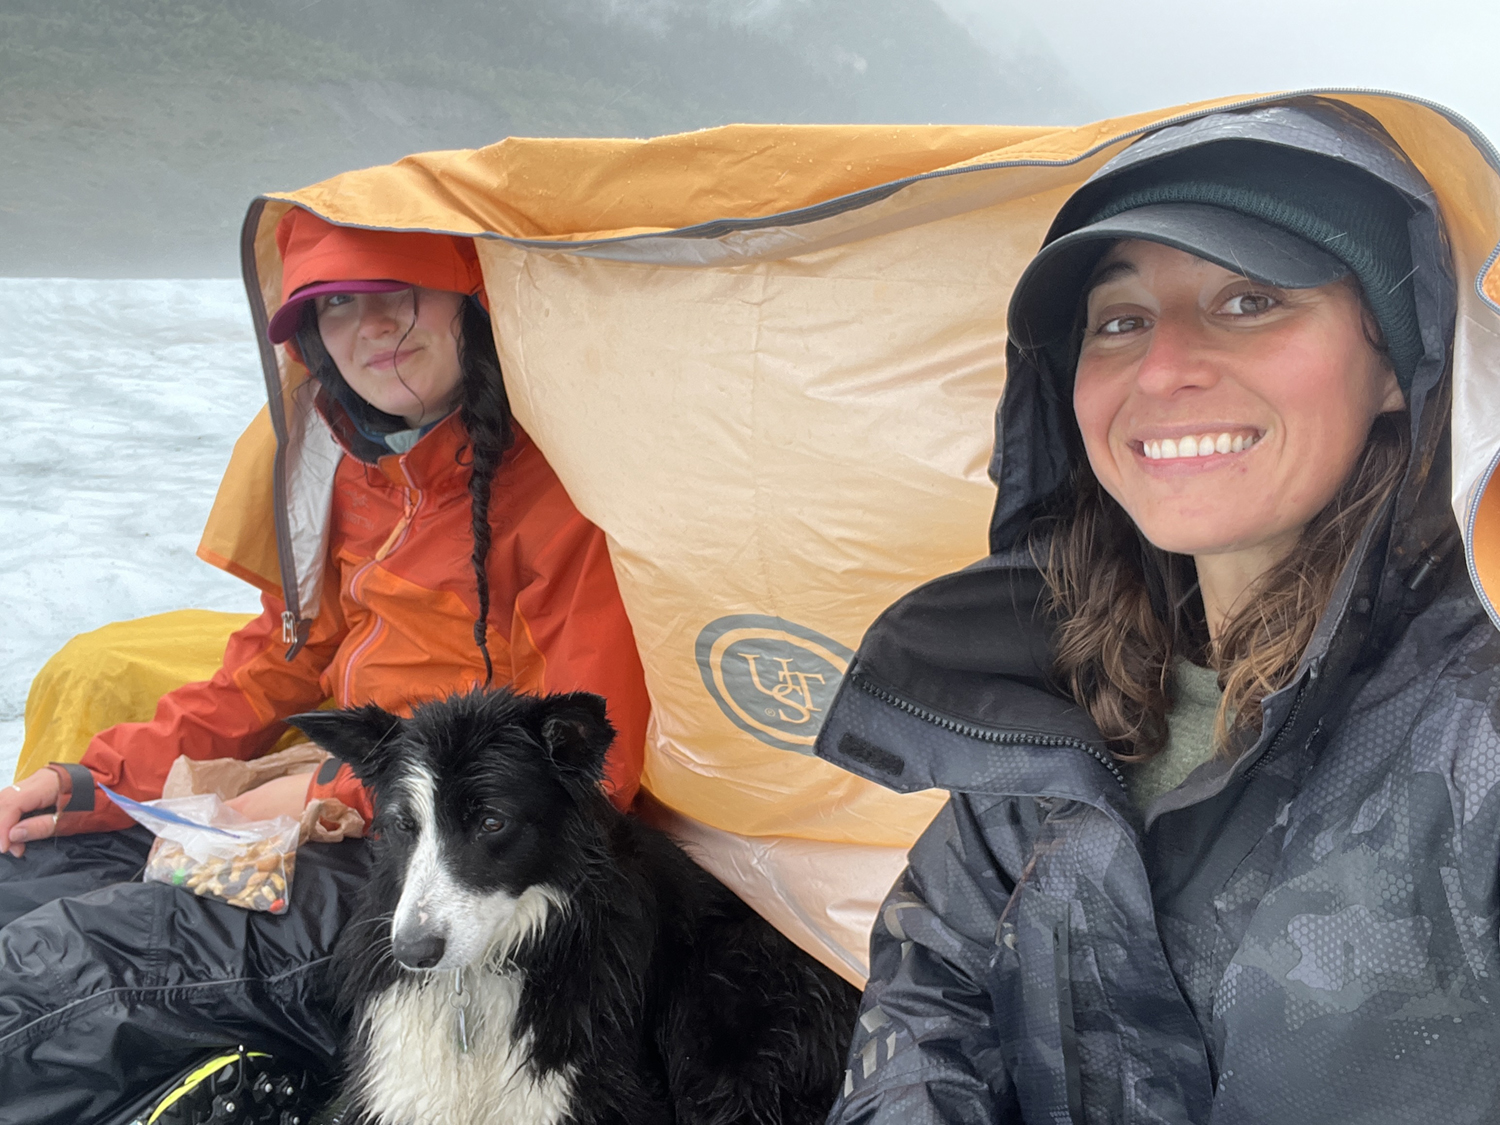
1282 735
397 537
984 734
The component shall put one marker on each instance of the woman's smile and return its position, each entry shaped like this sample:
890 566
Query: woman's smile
390 358
1198 446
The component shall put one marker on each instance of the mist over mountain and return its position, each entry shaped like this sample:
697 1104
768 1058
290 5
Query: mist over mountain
134 132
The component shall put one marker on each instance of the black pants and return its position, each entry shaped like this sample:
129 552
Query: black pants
108 986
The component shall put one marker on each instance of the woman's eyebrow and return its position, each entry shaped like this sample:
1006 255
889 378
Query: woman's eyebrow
1115 269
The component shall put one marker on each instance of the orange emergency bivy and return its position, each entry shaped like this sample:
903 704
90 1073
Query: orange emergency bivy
764 360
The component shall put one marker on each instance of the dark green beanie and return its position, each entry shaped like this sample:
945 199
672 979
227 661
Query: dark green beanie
1335 206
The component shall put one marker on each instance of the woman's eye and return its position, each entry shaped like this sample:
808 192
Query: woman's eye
491 824
333 301
1119 325
1249 304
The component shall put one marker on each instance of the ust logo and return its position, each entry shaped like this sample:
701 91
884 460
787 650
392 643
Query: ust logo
772 678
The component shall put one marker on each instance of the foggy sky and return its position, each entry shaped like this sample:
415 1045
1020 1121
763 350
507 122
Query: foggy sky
1147 55
134 132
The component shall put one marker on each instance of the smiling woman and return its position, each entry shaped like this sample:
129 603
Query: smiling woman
1222 413
1199 309
1214 714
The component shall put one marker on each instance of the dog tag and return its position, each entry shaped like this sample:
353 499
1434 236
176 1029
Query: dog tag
460 1003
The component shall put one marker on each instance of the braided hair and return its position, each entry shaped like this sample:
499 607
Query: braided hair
484 410
485 413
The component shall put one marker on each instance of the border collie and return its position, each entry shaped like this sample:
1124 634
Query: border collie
526 954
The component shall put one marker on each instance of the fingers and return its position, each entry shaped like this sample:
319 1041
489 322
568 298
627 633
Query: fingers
39 791
12 808
12 836
31 829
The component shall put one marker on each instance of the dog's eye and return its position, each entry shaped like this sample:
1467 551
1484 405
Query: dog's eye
491 824
403 822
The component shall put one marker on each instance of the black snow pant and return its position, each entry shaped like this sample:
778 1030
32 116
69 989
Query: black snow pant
109 987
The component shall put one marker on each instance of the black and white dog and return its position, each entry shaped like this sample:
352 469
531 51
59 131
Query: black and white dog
526 954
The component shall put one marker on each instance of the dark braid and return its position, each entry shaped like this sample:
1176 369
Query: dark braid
485 413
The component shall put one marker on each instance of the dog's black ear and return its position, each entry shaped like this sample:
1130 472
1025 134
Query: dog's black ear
576 731
358 735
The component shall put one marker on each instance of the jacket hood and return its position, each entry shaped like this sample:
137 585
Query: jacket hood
1036 441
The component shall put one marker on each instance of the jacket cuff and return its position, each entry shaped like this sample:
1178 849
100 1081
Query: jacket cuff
81 807
336 779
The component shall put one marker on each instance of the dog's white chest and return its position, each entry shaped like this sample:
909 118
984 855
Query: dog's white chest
416 1073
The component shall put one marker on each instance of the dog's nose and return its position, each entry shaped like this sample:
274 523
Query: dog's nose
421 952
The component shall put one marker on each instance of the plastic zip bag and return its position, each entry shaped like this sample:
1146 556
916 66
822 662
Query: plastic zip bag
207 847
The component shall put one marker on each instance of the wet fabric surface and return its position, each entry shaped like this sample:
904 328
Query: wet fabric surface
1315 942
142 979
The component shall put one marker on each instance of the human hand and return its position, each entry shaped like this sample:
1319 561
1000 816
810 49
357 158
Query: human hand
281 796
39 791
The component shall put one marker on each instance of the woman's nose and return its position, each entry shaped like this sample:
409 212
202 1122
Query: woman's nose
1178 356
377 319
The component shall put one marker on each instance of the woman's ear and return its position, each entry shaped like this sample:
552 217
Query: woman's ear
1392 397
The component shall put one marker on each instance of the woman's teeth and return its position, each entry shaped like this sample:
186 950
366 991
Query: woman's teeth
1204 445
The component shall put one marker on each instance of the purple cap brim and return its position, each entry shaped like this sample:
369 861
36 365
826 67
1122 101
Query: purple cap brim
284 324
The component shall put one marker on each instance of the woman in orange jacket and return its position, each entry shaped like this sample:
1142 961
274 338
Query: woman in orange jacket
453 558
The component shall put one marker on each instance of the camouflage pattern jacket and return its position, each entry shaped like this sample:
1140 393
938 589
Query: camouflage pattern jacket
1307 932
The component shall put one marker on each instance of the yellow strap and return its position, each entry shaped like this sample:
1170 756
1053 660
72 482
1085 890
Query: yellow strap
192 1080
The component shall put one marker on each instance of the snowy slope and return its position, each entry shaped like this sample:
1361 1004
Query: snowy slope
123 401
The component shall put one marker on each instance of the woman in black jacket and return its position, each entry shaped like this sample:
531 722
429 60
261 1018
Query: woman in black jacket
1220 715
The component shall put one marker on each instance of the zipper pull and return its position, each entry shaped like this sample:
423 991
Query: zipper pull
294 633
408 510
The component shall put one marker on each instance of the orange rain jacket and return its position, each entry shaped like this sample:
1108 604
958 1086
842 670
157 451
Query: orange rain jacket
400 628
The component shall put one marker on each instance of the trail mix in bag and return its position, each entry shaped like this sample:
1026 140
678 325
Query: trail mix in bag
210 849
257 877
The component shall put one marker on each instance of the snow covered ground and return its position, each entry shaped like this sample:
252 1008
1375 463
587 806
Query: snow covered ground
123 401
